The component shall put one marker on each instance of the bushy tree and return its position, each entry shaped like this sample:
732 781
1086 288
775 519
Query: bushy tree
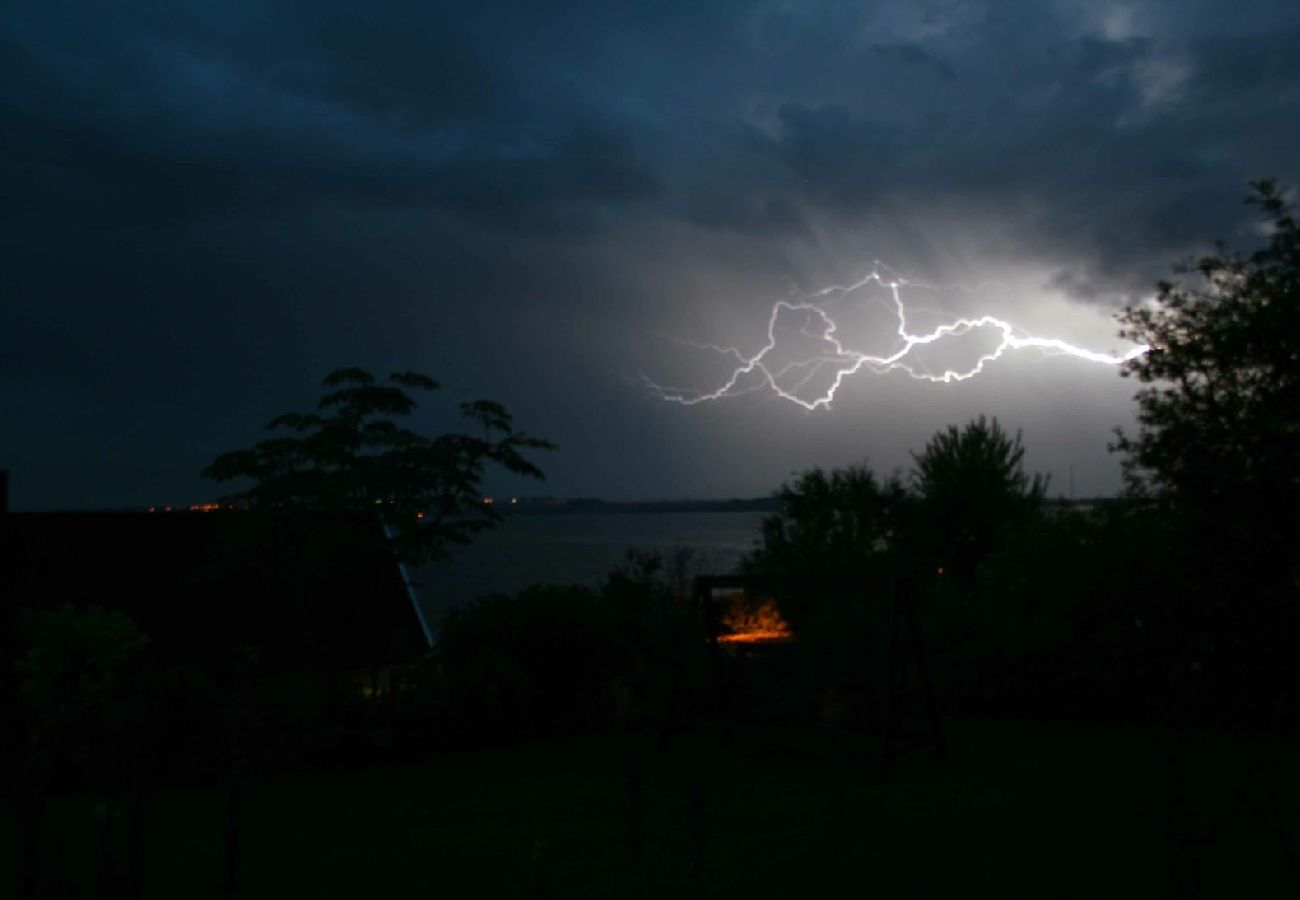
835 539
1218 449
1219 410
556 658
352 456
831 523
972 487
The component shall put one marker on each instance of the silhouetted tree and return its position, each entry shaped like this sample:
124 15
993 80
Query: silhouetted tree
1219 412
830 523
351 456
972 487
837 524
554 657
1218 446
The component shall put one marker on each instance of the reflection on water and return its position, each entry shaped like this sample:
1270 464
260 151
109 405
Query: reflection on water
579 549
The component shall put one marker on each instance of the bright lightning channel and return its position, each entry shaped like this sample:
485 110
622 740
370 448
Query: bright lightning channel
846 362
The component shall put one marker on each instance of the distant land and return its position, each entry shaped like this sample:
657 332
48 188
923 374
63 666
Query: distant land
559 505
572 505
522 506
591 505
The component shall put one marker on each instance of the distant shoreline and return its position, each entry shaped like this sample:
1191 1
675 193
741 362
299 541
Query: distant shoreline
581 505
547 506
590 505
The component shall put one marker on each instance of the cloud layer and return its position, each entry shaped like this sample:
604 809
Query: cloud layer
207 206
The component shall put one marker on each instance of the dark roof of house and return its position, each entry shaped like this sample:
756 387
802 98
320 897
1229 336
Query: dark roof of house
301 590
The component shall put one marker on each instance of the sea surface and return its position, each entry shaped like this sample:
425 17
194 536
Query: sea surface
579 548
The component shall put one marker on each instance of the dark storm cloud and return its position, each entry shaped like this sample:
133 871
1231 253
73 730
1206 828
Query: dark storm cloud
910 53
206 205
510 112
1113 153
151 119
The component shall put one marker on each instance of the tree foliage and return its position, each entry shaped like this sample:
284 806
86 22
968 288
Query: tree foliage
352 456
1218 448
555 658
830 523
967 487
976 467
1219 410
972 485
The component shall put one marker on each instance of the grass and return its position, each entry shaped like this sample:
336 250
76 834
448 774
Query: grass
1018 809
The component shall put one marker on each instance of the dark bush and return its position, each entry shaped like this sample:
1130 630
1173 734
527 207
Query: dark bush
538 661
554 659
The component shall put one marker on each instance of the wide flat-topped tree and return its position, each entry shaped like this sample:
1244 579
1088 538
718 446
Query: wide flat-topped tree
352 456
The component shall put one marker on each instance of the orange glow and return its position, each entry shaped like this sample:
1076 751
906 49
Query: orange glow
489 500
204 507
761 624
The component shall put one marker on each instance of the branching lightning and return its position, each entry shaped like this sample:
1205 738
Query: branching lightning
790 380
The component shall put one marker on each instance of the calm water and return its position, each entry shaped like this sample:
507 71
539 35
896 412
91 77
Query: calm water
579 549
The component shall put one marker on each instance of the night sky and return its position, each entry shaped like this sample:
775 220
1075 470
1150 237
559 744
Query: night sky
208 206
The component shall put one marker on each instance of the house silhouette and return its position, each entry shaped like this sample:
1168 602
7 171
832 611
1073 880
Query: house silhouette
295 591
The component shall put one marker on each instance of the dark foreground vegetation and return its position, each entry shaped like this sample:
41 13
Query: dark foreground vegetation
1020 809
1119 704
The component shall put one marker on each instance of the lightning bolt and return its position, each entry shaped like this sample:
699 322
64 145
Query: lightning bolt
786 381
